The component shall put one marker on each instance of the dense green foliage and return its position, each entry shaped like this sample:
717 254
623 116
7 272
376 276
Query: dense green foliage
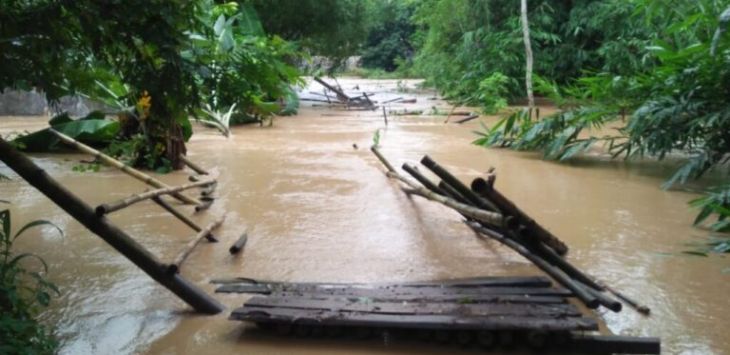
331 28
388 42
658 72
240 65
675 103
157 61
23 293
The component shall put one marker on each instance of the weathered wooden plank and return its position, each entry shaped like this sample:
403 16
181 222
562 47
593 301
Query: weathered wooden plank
451 322
366 305
424 291
486 281
439 298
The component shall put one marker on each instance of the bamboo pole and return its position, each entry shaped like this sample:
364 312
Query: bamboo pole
632 303
175 266
392 100
206 202
487 191
578 289
179 215
452 193
193 166
128 201
119 165
491 218
382 159
114 236
413 171
239 244
340 94
487 217
457 185
467 119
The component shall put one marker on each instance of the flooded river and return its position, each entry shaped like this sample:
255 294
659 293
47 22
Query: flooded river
318 209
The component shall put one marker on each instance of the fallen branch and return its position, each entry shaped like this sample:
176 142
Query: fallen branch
121 166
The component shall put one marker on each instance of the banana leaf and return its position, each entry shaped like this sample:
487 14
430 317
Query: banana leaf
93 130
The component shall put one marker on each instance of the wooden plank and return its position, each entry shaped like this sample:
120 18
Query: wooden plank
423 291
526 281
451 322
438 298
365 305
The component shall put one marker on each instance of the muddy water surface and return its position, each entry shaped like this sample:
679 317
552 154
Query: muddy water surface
318 209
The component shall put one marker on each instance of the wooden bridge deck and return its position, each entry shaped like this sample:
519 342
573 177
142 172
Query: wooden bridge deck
515 303
480 310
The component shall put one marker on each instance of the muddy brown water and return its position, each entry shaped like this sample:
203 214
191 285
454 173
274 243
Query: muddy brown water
318 209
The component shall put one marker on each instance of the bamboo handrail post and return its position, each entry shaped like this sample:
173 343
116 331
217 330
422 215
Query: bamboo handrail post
149 180
114 206
174 267
115 237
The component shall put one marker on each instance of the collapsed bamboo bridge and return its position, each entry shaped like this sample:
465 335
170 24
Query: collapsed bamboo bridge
545 312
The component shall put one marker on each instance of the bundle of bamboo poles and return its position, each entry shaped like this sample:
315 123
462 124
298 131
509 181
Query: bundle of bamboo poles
491 214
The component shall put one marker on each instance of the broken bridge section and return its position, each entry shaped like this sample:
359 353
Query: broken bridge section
485 311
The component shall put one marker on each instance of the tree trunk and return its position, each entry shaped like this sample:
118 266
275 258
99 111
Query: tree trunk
175 147
528 57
